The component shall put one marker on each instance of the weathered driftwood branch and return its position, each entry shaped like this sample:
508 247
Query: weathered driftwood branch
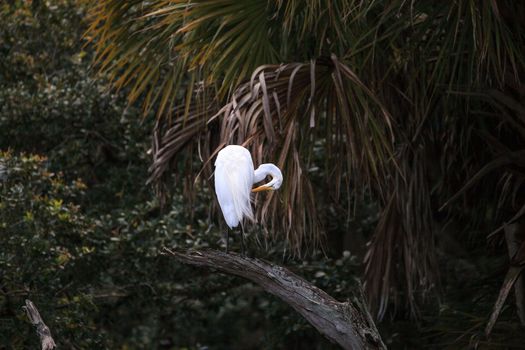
41 329
348 324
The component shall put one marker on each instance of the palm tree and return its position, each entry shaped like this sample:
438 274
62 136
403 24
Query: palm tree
416 104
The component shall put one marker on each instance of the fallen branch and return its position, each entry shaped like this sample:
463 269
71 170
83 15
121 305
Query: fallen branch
41 329
348 324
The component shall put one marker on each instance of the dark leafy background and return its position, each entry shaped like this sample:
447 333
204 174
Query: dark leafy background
80 231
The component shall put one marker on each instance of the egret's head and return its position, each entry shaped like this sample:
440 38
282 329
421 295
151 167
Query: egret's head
277 178
276 182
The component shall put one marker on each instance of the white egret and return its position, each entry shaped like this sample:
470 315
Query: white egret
234 178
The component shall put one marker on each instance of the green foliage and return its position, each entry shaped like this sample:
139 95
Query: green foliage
46 241
50 104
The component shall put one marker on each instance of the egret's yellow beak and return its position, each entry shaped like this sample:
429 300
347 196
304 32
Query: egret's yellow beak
262 188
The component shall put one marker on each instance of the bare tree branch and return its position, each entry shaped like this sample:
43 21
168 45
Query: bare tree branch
348 324
41 329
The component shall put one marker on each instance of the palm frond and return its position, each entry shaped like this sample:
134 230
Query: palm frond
281 102
155 48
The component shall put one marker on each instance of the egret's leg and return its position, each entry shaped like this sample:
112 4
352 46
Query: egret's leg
227 239
242 241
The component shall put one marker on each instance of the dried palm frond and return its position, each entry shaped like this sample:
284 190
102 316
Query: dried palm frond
268 113
281 106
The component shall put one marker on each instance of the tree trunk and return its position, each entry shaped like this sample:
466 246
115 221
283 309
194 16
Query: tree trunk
348 324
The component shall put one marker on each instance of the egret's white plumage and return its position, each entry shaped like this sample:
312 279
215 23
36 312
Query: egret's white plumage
234 178
233 183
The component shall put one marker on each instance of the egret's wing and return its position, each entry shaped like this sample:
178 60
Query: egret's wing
225 197
233 183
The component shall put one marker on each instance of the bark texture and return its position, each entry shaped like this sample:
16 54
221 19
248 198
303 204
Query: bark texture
348 324
42 330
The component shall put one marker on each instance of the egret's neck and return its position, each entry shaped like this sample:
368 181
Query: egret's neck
269 169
